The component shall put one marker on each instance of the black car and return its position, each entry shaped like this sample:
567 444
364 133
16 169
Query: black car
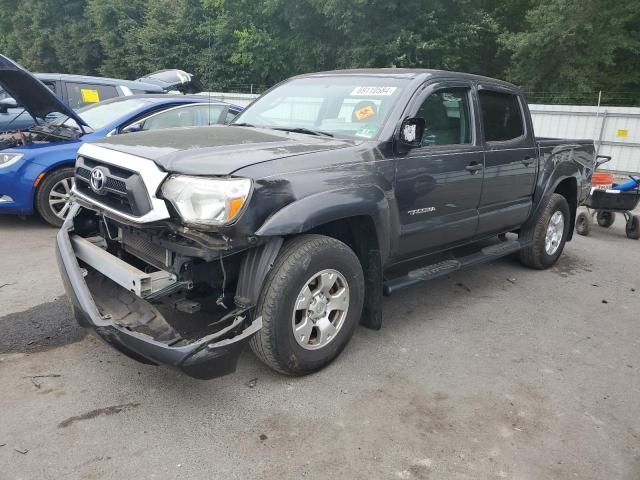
285 229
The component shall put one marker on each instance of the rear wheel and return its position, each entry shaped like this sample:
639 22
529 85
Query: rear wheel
310 305
606 219
53 198
583 224
633 228
546 238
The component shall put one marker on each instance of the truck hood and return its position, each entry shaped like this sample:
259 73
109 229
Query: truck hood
217 150
31 93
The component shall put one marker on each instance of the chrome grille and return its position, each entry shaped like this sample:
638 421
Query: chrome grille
124 190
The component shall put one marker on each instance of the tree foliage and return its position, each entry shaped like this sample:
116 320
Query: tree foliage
564 47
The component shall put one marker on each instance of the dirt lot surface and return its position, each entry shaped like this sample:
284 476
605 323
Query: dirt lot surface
496 372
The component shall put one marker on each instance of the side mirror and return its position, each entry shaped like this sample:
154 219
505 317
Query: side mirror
7 103
134 127
411 131
602 159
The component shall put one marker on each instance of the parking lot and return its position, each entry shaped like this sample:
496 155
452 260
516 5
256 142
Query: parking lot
496 372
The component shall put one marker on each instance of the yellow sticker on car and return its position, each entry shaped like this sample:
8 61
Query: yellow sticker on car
364 113
622 133
89 96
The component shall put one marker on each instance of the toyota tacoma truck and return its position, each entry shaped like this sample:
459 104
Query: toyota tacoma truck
285 229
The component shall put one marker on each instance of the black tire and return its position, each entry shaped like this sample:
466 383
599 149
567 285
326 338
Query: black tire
633 228
297 262
50 181
583 224
606 219
535 255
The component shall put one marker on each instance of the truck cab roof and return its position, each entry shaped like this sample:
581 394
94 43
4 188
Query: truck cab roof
409 74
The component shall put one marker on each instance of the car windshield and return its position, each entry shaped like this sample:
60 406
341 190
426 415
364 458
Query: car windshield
347 106
100 115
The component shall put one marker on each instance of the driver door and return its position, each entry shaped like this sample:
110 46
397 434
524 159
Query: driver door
438 185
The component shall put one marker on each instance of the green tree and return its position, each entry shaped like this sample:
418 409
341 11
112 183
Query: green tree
575 48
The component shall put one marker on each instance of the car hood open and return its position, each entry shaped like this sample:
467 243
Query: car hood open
30 93
174 80
217 150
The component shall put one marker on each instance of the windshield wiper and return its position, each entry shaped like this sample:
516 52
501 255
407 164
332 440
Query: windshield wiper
306 131
241 125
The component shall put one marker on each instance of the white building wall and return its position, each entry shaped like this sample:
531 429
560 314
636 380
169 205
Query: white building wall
615 130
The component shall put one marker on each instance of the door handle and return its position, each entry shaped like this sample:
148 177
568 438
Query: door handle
474 167
527 160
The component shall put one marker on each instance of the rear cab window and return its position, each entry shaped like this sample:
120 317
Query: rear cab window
82 94
502 116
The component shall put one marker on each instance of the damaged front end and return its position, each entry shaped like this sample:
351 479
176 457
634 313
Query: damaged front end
158 296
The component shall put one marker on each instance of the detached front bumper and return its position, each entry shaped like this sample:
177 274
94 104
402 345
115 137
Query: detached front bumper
212 356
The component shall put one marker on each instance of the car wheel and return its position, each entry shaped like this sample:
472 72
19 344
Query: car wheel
583 224
310 305
546 238
633 228
606 219
53 198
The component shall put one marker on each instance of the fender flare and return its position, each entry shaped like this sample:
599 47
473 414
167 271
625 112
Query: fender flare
555 178
339 204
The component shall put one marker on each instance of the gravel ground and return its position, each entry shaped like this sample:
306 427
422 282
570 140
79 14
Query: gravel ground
496 372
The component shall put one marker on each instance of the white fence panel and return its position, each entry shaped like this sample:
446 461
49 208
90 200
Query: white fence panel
616 130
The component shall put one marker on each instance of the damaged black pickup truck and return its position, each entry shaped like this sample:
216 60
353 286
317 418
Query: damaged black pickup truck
285 229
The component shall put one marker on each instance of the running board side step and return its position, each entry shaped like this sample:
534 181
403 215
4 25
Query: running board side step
440 269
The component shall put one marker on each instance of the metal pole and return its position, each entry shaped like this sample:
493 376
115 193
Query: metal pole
595 127
604 122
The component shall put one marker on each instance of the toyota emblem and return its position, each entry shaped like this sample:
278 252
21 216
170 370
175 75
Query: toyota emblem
97 180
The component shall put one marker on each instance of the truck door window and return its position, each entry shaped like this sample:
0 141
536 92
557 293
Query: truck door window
501 116
81 94
447 118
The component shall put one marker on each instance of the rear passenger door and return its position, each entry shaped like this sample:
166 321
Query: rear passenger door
438 184
510 159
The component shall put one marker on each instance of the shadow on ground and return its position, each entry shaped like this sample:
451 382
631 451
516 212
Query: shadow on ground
39 328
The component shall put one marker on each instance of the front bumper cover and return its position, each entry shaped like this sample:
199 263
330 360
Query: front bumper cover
204 359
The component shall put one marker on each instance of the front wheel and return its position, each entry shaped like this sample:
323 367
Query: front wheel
633 228
53 198
546 237
310 305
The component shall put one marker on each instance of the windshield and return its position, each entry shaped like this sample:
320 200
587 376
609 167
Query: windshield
349 106
100 115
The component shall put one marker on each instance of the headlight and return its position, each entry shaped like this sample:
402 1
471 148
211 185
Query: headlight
7 159
206 201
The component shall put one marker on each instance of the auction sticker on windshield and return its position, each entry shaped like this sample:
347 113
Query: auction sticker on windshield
89 96
373 91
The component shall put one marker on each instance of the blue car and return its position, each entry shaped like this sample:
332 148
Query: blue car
37 165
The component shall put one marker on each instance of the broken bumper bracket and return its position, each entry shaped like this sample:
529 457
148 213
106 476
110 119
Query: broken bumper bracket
205 358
